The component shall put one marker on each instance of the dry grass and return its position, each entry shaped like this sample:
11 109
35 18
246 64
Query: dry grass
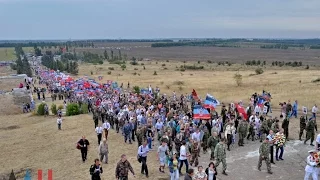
7 107
217 80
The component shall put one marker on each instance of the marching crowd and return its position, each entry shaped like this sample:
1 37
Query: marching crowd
166 124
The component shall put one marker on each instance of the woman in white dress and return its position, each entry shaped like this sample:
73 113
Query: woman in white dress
211 172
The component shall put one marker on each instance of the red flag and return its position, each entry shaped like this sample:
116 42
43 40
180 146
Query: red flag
194 95
242 111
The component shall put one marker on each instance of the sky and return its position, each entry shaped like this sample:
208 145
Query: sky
147 19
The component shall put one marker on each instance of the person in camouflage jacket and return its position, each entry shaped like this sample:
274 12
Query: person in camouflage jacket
212 142
242 130
220 155
264 151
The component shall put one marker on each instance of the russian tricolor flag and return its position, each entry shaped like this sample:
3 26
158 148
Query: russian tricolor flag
210 102
201 113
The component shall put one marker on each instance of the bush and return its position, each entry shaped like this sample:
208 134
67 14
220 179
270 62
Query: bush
259 71
144 68
136 69
134 63
123 66
91 72
72 109
111 68
40 110
179 83
209 61
163 65
109 72
238 78
316 80
165 68
198 62
136 89
60 107
307 67
13 66
54 109
167 60
135 73
155 73
84 109
182 69
100 62
142 64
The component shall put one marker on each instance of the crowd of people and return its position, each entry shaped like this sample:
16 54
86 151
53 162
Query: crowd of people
152 119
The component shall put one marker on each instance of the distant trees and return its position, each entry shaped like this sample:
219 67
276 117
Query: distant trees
106 56
22 65
282 63
67 63
274 46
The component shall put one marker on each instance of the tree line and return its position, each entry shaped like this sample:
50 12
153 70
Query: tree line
193 43
22 66
68 62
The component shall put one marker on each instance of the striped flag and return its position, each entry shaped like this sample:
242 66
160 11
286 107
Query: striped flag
200 113
210 102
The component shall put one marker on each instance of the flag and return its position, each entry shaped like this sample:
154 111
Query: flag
210 102
100 78
194 95
242 111
261 101
200 113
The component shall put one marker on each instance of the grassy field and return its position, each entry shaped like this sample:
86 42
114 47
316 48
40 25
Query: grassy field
215 54
8 54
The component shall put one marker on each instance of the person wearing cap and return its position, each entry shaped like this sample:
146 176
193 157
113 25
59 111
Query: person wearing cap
311 167
264 155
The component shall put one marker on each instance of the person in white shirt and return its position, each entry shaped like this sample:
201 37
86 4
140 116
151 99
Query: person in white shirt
230 130
196 135
183 157
311 167
318 142
159 125
59 122
314 111
257 110
142 153
99 131
106 127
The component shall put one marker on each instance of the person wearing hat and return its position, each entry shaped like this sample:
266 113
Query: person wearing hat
311 167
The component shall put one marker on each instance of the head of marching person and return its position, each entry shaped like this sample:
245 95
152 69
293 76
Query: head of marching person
83 137
123 157
104 140
97 162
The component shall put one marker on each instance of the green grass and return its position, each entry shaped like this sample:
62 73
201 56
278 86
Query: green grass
7 54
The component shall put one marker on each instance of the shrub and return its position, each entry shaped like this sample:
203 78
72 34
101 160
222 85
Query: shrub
144 68
168 86
123 66
13 66
163 65
238 78
135 73
155 73
60 106
136 89
179 83
54 109
91 72
167 60
316 80
40 110
142 64
136 69
134 63
180 88
182 69
109 72
100 62
111 68
84 109
307 67
259 71
198 62
72 109
209 61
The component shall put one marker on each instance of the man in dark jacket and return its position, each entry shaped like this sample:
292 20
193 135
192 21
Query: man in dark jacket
96 170
189 175
84 146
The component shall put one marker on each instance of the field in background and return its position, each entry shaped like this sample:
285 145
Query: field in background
8 54
282 84
215 54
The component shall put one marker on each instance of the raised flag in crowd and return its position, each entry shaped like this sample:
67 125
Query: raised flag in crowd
210 102
200 113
